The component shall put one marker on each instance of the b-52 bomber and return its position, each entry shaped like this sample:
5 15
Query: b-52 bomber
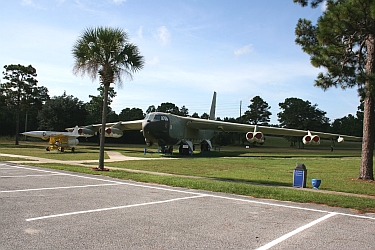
168 130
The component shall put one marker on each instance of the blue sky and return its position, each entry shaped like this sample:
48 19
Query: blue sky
240 49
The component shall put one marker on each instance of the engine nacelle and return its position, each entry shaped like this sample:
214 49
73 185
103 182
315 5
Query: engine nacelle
311 139
85 132
255 137
113 132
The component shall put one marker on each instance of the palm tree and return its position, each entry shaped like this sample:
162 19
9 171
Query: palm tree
106 52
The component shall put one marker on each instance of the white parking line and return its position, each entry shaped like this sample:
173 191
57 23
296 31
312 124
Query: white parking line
292 207
185 192
53 188
113 208
298 230
30 175
193 195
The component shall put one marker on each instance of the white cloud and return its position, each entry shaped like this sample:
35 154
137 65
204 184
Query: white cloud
164 35
324 6
119 1
244 50
31 3
27 2
155 60
140 32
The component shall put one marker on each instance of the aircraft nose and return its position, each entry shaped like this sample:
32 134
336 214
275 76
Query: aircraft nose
155 131
148 129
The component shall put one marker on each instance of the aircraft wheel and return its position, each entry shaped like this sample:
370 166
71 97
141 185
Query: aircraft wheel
73 149
170 150
47 148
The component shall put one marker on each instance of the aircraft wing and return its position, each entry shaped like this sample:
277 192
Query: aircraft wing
221 126
127 125
131 125
113 129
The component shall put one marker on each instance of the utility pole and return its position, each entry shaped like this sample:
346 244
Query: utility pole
239 119
240 111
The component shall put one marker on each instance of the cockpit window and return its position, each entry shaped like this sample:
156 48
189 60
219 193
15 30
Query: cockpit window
153 117
161 118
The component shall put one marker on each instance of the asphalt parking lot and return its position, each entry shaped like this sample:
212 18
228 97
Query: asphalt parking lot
49 209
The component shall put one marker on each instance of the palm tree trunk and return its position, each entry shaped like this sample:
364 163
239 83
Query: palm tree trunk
104 121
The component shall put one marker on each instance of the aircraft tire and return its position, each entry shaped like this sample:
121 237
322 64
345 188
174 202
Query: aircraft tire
47 148
73 149
171 150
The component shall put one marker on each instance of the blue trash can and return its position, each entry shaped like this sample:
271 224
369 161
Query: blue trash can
316 183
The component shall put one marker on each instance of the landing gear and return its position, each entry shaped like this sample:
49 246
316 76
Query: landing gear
205 147
184 149
167 149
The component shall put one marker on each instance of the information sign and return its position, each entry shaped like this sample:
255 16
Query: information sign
299 176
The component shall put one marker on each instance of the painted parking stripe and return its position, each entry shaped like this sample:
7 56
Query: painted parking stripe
298 230
30 175
197 193
113 208
54 188
67 174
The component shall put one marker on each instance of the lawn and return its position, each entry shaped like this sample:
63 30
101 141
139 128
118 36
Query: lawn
261 171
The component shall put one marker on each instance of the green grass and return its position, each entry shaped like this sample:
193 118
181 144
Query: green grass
262 171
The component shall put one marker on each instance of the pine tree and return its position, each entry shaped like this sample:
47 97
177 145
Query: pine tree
258 113
343 42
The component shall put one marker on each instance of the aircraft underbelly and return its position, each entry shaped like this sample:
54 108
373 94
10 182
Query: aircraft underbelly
195 134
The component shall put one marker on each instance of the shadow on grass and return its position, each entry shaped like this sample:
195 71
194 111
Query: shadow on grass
259 155
8 145
260 183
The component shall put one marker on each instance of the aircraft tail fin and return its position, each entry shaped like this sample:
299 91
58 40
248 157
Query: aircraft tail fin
75 131
213 107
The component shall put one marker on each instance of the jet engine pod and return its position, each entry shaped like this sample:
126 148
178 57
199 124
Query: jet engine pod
85 131
311 139
255 137
113 132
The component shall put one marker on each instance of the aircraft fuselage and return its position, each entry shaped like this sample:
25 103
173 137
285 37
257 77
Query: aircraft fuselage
168 129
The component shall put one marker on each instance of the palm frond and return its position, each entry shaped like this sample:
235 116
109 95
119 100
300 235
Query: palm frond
104 50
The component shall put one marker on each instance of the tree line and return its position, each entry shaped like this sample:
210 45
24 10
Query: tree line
342 42
26 106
